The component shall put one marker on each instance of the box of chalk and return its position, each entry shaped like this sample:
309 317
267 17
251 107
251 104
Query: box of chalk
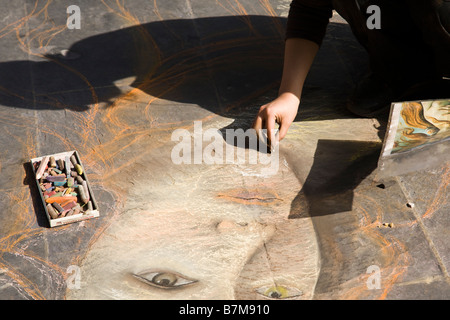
64 188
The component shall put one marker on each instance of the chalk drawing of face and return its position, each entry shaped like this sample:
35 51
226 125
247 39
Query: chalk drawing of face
203 232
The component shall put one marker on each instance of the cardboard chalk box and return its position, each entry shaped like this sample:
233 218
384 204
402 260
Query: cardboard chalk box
64 188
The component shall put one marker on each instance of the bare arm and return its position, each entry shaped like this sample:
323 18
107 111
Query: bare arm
298 58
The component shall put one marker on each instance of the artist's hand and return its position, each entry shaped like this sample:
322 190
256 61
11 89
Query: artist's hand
282 111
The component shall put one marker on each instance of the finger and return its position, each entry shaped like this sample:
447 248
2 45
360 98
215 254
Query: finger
258 122
271 136
283 130
257 125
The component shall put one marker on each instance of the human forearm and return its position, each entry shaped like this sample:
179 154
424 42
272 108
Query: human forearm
299 56
298 59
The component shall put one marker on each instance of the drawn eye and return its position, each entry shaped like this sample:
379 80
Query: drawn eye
164 279
279 292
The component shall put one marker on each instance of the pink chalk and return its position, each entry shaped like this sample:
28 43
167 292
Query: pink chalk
42 167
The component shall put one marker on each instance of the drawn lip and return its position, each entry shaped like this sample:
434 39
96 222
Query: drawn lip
255 196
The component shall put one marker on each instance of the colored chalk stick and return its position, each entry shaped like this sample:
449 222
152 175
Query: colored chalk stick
51 211
49 193
55 178
52 162
86 190
59 183
79 169
74 210
69 205
42 167
70 182
73 159
58 207
56 194
79 179
81 191
60 163
61 199
67 165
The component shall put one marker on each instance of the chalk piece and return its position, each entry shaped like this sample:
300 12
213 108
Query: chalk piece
84 198
61 199
67 165
55 178
90 207
73 160
50 193
58 207
70 182
86 190
59 183
70 205
52 162
51 211
60 163
79 169
77 209
74 210
42 167
79 180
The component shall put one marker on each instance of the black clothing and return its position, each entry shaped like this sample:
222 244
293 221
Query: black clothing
412 45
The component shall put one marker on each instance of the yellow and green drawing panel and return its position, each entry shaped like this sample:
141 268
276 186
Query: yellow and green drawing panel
420 123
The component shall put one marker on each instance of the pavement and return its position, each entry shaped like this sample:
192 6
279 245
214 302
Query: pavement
137 84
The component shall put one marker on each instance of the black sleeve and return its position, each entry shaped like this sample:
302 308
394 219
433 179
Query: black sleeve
308 19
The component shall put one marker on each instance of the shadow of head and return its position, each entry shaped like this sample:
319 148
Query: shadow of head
210 62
